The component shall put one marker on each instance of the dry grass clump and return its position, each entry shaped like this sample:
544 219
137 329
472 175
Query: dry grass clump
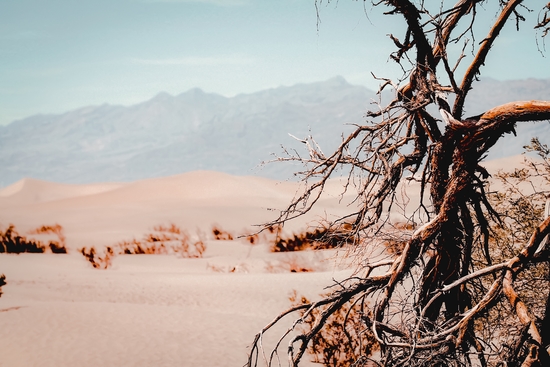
13 242
163 240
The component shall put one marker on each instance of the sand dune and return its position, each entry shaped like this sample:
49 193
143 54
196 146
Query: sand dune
197 185
32 191
103 214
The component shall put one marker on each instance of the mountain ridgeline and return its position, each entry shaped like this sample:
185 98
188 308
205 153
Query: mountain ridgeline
203 131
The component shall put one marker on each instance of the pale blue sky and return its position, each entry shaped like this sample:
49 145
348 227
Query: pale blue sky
58 55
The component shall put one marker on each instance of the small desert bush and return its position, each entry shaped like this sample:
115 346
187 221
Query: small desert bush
222 235
165 240
150 245
319 239
345 340
57 247
98 261
252 239
13 242
162 240
2 283
267 235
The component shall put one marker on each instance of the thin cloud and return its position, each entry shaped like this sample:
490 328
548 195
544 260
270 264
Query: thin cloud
196 61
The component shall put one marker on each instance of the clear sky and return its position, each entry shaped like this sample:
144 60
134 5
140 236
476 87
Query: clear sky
57 55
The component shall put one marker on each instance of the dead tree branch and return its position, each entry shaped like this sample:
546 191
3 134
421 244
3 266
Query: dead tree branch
444 299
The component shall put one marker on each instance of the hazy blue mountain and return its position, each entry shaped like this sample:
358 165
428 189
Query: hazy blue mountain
197 130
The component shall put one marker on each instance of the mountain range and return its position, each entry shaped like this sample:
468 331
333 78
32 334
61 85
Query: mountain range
204 131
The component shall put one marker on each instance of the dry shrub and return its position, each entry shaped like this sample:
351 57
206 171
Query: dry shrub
266 235
345 340
320 239
253 239
98 261
299 242
135 247
2 283
12 242
221 235
57 247
269 235
164 240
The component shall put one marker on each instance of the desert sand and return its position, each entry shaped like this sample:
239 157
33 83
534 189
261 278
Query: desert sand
156 310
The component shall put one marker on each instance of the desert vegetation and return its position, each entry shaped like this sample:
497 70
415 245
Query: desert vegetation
162 240
316 238
269 235
57 247
13 242
467 284
2 283
320 238
222 235
98 260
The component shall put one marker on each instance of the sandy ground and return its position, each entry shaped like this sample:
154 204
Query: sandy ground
155 310
147 310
